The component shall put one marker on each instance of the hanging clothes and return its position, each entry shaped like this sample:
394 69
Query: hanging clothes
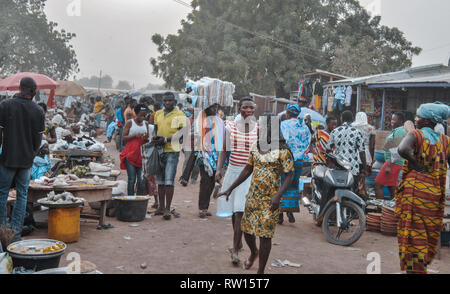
325 99
348 96
317 102
301 84
330 103
339 98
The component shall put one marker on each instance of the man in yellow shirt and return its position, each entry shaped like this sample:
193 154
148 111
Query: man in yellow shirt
98 107
168 123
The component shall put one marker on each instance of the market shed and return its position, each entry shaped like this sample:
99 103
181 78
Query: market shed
404 91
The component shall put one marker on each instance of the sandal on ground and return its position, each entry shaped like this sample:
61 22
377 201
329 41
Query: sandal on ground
183 182
248 264
291 217
159 212
202 214
234 257
175 213
167 216
281 219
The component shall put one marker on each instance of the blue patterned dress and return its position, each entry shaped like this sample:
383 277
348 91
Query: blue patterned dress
298 138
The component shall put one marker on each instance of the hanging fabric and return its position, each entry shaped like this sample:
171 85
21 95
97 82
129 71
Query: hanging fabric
348 96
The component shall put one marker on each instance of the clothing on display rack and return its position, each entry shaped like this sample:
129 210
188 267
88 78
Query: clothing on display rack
330 103
308 89
317 102
348 96
301 84
339 98
325 99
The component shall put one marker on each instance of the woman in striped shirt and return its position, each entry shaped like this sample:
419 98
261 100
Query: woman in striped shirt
241 135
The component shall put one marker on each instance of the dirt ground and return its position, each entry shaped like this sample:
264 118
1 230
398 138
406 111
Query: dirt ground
190 245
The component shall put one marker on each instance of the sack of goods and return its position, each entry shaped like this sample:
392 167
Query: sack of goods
208 91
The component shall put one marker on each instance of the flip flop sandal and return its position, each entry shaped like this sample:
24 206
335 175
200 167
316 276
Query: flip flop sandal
281 219
159 212
248 265
175 214
291 217
234 257
167 216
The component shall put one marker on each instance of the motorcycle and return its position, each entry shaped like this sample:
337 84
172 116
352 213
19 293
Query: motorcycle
334 205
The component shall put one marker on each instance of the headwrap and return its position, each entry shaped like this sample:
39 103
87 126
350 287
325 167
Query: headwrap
293 109
437 112
361 120
57 119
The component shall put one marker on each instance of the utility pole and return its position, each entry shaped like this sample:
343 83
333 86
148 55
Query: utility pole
100 81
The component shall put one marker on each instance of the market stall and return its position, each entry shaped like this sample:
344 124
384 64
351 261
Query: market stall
95 193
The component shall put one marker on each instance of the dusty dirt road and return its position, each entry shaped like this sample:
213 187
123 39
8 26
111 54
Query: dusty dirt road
190 245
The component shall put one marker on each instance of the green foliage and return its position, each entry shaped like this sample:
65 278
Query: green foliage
29 42
265 45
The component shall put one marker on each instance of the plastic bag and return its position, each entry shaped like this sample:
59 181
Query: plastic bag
6 265
151 160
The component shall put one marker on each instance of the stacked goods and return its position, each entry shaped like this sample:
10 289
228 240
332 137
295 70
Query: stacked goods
373 221
388 221
208 91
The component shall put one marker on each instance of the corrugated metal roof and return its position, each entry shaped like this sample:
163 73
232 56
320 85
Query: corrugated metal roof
320 71
423 74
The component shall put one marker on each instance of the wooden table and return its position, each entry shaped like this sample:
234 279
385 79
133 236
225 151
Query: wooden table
75 157
100 193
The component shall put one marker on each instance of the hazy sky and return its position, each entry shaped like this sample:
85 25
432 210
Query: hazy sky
115 35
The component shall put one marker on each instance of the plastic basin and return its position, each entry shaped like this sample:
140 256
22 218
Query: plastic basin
131 208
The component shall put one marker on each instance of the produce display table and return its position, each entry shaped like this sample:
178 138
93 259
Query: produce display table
66 153
98 193
77 157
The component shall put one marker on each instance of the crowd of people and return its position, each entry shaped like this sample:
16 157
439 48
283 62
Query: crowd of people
256 164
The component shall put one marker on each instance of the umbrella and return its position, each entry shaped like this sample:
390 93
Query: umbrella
68 88
12 83
316 118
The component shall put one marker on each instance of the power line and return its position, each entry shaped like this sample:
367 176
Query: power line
267 38
436 48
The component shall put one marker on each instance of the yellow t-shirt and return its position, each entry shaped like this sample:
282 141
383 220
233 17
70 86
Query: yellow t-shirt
98 106
168 125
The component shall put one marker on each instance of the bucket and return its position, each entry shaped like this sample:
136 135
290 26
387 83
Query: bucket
379 156
35 261
224 208
131 208
64 224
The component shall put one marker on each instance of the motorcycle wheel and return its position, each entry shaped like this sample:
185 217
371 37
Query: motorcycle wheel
353 213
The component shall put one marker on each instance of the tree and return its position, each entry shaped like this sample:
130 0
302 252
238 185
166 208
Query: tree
124 85
265 45
29 42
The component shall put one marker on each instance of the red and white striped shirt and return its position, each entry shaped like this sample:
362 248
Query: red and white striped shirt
241 144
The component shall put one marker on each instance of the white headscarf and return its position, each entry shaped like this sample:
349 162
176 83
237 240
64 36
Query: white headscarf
361 122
